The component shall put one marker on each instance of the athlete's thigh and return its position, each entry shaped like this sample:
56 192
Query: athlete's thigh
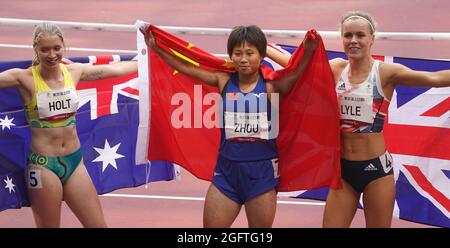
81 196
261 209
45 193
378 199
219 210
341 206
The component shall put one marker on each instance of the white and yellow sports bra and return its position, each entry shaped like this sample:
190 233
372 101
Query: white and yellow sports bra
52 108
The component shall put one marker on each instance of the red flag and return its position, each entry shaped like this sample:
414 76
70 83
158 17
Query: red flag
308 140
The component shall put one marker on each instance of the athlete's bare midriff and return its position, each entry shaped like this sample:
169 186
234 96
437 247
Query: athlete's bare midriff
361 146
59 141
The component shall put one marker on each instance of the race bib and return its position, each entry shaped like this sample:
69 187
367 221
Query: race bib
33 179
357 105
246 125
57 102
276 169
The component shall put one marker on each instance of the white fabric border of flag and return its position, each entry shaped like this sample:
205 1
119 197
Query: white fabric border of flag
144 97
144 85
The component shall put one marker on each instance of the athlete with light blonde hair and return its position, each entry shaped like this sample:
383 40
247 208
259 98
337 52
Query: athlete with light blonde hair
55 165
364 87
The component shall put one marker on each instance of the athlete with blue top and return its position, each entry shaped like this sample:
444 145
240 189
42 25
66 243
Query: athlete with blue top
55 166
246 171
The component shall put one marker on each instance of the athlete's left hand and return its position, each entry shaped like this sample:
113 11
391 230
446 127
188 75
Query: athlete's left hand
311 41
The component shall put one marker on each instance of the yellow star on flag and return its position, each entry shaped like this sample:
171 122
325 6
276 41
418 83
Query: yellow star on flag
181 56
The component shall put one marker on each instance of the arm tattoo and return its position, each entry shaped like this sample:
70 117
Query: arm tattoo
95 74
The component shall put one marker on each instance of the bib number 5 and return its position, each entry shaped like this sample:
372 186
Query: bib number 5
34 179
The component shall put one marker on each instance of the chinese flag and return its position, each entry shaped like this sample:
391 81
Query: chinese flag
308 141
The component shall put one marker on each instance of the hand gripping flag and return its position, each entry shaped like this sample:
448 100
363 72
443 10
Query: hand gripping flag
308 140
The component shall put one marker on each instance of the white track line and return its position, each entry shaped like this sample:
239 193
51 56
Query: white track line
202 199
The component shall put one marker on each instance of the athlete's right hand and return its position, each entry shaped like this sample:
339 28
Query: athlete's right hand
148 36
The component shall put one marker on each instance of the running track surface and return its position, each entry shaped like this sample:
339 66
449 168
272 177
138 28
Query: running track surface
125 210
180 203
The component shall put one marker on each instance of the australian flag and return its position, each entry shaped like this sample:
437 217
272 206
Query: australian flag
417 134
107 123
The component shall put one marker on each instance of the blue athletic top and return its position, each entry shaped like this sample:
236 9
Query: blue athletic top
247 132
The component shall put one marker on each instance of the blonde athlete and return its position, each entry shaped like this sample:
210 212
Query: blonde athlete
364 87
55 166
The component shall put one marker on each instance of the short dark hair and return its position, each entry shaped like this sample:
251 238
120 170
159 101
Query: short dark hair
251 34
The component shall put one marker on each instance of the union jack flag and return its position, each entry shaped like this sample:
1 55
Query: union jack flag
417 134
107 123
